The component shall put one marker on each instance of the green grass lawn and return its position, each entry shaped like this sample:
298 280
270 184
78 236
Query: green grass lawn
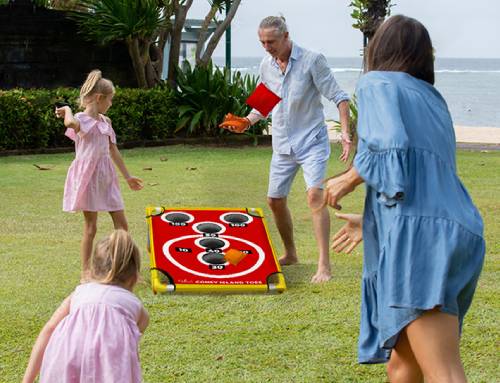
307 334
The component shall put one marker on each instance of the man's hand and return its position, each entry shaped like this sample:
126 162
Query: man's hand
350 235
235 124
346 147
344 127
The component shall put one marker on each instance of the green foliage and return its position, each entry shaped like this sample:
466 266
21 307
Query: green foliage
27 120
368 14
205 94
110 20
353 121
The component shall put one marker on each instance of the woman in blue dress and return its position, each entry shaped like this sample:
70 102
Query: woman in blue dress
424 246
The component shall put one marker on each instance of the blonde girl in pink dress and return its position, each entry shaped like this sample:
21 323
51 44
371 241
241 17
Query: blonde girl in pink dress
94 335
92 184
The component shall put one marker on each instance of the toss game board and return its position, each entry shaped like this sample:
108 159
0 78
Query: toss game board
211 250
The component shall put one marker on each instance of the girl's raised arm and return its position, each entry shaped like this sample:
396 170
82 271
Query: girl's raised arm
69 120
36 357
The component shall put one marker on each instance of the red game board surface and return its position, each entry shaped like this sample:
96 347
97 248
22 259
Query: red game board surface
179 248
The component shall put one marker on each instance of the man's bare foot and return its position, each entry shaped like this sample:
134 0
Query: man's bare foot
288 260
321 276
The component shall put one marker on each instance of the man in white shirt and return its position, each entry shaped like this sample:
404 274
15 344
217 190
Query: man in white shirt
299 133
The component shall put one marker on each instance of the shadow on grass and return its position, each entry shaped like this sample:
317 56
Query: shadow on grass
299 274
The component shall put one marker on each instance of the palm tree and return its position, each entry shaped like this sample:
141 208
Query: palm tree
368 15
142 24
203 55
145 26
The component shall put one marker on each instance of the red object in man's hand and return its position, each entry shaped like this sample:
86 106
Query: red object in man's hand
263 99
234 123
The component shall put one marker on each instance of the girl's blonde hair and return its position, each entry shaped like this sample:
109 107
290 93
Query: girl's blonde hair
94 84
116 259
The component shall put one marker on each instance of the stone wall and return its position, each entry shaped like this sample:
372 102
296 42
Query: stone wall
41 48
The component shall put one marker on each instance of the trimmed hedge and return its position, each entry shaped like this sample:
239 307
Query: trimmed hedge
27 119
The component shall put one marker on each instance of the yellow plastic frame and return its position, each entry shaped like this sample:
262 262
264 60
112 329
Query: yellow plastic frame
276 285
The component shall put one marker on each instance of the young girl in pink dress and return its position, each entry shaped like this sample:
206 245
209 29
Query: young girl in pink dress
92 184
93 336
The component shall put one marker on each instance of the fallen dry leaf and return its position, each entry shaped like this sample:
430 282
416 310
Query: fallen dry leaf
153 183
163 159
147 168
189 168
43 167
220 357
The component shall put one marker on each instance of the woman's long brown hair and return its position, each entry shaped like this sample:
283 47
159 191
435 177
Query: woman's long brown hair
402 44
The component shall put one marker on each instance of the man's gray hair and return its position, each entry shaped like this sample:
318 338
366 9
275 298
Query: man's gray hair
274 22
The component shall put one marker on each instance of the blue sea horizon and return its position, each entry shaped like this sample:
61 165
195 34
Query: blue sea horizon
471 87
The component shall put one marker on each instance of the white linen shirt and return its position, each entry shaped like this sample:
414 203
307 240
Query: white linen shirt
298 119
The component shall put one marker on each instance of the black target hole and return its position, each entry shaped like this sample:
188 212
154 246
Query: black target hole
214 258
209 228
177 217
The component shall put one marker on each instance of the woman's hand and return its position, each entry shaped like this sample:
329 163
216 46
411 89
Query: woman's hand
134 183
337 187
350 235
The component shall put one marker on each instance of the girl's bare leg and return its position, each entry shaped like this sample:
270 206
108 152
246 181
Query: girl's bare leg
119 219
89 232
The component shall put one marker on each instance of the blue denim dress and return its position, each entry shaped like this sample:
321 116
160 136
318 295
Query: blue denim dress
423 236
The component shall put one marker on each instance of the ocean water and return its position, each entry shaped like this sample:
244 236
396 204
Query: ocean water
471 87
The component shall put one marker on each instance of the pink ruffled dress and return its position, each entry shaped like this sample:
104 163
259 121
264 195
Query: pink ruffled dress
98 341
92 183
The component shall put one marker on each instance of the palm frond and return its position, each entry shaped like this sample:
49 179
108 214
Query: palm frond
109 20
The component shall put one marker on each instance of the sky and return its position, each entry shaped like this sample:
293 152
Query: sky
458 28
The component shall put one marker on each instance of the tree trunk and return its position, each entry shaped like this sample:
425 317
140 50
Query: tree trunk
152 77
137 63
202 38
157 52
219 31
176 36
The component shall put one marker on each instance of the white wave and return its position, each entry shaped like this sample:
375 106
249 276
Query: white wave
359 70
465 71
337 70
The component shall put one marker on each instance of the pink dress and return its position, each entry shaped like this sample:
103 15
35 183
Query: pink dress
92 183
98 341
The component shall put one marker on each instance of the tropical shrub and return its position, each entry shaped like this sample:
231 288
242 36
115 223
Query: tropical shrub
205 94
